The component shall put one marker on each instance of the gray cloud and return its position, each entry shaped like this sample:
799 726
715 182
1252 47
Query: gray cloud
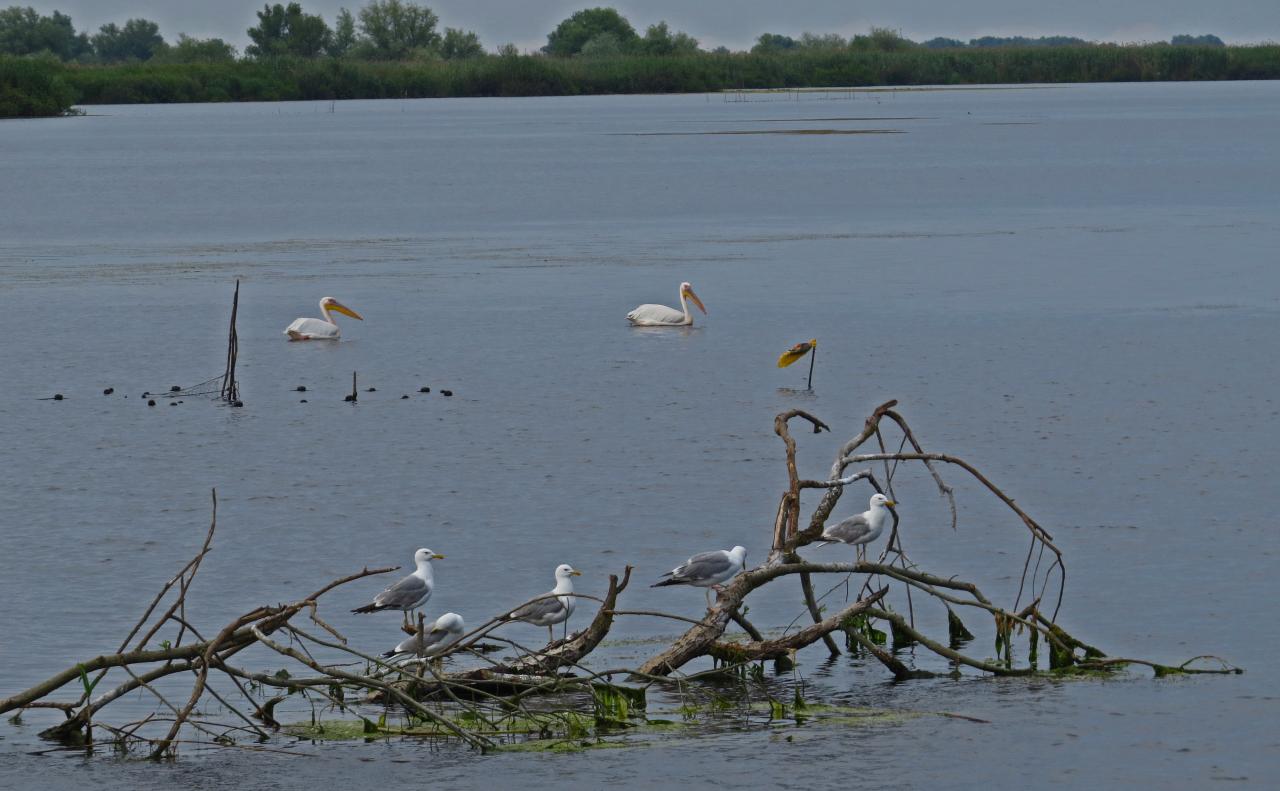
736 23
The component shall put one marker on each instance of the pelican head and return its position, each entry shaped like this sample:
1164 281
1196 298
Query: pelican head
329 303
686 290
564 571
880 501
426 556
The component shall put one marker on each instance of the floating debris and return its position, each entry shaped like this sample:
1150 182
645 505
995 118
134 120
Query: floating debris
237 403
175 389
152 402
349 398
446 393
403 397
57 396
144 395
424 389
108 391
301 388
173 403
303 401
371 390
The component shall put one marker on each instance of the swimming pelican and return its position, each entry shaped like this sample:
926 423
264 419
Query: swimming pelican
410 592
442 634
663 316
707 570
325 329
552 607
860 529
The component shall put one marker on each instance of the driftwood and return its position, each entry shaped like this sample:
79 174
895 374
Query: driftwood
491 694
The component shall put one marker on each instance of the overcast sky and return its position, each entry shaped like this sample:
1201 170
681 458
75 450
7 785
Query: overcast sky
736 23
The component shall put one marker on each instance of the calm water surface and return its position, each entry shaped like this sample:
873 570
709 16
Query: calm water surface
1073 287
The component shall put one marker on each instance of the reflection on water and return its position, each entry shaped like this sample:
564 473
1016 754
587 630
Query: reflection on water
1081 307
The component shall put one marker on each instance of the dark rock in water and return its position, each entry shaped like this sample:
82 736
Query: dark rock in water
303 401
349 397
372 390
403 397
424 389
301 388
175 389
237 403
173 403
152 402
446 393
144 395
57 396
108 391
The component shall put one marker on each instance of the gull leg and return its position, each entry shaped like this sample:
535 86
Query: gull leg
551 635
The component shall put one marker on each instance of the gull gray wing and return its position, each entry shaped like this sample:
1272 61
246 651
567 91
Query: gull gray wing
848 531
540 610
702 567
404 594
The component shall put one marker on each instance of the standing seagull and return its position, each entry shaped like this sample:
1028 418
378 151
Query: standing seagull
663 316
410 592
325 329
552 607
442 634
860 529
707 570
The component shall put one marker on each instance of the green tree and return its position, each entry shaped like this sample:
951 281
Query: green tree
659 40
25 32
458 44
395 30
34 86
571 35
1208 40
602 45
197 50
942 42
286 30
139 39
827 41
882 39
773 42
344 34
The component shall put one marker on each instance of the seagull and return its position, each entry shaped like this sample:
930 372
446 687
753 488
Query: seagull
860 529
707 570
410 592
663 316
442 634
552 607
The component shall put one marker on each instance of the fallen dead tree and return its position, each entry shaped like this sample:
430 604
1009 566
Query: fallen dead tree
492 699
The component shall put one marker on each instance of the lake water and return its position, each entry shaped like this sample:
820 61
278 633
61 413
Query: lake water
1074 288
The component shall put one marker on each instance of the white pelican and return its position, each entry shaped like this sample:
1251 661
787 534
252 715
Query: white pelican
860 529
707 569
552 607
325 329
442 634
663 316
410 592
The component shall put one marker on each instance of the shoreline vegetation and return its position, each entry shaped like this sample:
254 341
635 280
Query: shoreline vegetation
391 49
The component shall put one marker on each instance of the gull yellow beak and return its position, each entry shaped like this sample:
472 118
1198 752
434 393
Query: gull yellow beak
890 502
689 293
437 556
346 311
575 573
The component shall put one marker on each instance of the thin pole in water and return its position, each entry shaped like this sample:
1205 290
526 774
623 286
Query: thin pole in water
813 355
354 396
230 390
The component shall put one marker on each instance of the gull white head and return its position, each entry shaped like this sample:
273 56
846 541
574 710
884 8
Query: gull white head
739 556
329 303
450 622
425 556
564 571
879 501
686 290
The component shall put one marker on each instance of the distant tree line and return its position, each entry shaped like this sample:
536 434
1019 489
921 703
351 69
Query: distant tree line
393 48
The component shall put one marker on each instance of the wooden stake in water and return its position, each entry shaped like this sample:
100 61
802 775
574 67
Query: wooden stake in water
813 355
354 396
230 389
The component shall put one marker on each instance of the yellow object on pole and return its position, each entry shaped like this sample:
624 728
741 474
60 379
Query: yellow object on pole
796 352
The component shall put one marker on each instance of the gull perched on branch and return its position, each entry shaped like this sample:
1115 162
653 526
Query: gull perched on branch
410 592
707 570
552 607
860 529
663 316
442 634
